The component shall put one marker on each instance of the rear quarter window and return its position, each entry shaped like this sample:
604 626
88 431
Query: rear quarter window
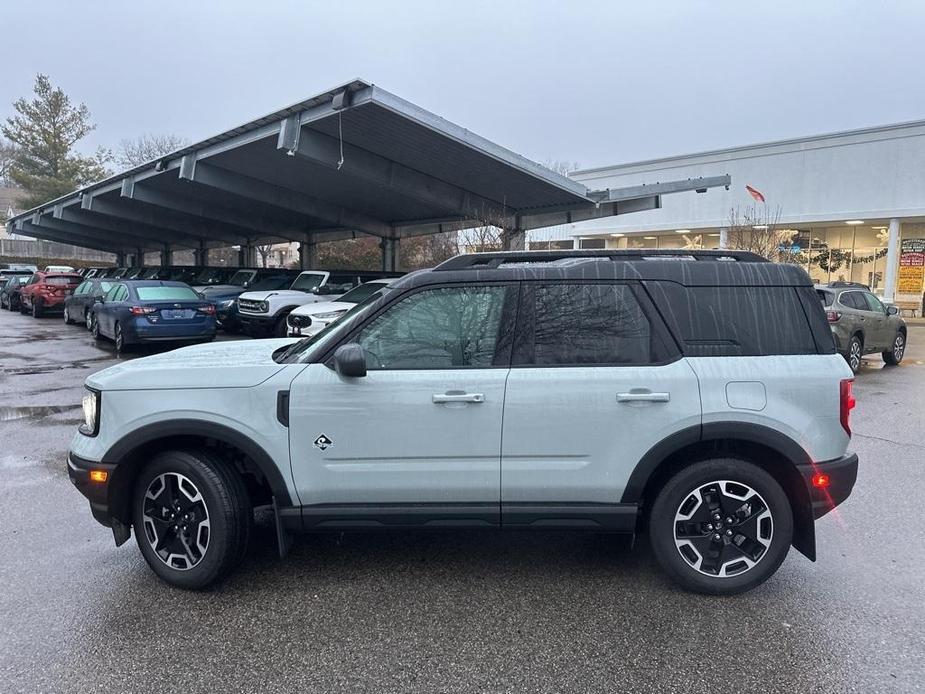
826 297
739 321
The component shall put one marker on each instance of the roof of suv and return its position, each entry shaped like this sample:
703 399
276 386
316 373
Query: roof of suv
690 268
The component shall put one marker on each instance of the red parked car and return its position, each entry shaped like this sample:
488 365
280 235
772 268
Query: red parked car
46 291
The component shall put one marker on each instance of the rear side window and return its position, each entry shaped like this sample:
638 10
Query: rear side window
584 323
166 294
853 300
737 321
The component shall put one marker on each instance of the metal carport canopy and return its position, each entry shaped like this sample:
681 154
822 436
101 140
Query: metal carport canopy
354 160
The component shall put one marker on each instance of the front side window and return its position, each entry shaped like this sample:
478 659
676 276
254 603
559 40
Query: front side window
574 324
442 328
873 303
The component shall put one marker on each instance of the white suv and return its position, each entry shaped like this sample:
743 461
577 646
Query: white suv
262 313
695 395
311 319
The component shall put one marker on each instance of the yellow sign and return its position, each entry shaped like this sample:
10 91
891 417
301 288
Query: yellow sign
911 266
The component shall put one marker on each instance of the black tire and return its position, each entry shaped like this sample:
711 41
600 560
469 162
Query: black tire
95 328
723 556
854 353
88 319
281 328
119 339
229 513
895 353
67 317
36 309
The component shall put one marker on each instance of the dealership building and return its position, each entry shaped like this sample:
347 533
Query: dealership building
849 206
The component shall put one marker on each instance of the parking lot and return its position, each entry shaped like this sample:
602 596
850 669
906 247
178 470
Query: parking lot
451 611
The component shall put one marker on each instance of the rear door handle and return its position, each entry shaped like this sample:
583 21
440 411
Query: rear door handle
643 397
458 397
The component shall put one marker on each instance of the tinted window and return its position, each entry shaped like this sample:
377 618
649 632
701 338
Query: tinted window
361 293
240 278
853 300
737 321
827 298
873 303
166 294
269 283
444 328
308 282
583 324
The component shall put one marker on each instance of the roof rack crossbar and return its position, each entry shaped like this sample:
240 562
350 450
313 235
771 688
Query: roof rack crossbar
491 260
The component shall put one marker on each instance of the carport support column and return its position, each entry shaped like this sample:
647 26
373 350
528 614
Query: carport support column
724 238
892 261
389 248
514 239
247 256
139 256
308 255
120 259
202 255
167 255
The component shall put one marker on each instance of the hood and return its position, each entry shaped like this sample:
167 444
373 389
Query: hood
260 296
236 364
322 307
212 289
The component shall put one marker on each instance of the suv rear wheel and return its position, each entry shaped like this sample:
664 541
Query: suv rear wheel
721 526
192 517
854 353
894 354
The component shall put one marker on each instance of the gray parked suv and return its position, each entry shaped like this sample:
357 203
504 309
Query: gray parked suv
693 395
862 324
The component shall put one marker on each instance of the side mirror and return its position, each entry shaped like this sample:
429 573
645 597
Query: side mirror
350 361
892 310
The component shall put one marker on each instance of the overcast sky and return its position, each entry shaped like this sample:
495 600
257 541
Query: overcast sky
592 82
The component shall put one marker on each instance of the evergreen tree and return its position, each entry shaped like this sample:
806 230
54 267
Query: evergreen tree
44 133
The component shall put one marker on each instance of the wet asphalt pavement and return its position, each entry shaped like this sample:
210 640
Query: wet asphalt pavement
451 612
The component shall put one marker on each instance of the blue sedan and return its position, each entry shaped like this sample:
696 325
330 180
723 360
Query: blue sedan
136 311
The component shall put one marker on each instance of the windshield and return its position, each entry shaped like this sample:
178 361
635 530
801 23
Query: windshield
320 341
361 293
241 277
308 281
166 294
270 283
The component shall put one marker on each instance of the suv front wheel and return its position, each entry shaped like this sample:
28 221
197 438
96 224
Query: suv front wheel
192 517
721 526
894 354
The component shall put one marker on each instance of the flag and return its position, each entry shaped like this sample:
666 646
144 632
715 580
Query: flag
755 193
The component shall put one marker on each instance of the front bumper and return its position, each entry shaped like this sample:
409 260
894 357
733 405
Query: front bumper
842 472
97 493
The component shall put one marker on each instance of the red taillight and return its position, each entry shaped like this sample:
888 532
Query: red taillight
143 310
833 316
821 480
846 403
209 310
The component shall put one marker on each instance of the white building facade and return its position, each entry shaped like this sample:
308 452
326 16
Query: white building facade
849 206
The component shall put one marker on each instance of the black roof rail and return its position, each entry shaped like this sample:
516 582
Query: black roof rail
485 261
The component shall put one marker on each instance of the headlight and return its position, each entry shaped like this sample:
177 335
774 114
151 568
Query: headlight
330 315
91 408
227 304
264 306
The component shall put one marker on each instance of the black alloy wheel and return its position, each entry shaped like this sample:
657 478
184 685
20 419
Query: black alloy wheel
854 354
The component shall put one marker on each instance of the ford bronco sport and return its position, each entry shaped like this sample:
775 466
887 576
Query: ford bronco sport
694 395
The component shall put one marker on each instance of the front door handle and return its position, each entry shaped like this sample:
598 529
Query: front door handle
643 396
458 397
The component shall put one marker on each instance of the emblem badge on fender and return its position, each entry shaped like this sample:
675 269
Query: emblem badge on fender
323 442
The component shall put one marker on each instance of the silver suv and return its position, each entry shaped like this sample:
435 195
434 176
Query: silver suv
693 395
862 324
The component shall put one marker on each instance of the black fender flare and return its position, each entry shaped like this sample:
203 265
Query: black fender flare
126 447
792 454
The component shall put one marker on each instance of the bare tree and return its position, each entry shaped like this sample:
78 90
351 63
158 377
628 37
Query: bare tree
264 250
757 229
147 148
561 166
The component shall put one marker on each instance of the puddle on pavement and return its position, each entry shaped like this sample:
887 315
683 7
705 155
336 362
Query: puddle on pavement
51 368
11 414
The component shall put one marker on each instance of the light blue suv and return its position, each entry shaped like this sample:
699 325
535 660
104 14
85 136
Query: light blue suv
694 395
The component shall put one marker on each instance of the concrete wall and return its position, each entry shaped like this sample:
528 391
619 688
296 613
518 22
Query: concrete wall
20 248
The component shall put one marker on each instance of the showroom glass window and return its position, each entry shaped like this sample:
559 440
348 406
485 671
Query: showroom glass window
441 328
577 324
